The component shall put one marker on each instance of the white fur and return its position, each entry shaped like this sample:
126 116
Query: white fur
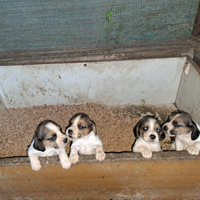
34 153
144 145
146 148
87 145
184 142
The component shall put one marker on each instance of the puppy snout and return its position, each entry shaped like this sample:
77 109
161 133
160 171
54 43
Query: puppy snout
165 128
172 132
70 132
152 136
65 140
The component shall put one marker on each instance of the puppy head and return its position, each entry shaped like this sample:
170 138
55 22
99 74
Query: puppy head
80 125
180 122
49 134
149 129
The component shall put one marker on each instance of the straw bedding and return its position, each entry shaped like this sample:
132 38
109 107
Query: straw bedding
114 124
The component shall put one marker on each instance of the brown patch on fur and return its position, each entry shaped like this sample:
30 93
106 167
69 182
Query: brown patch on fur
48 143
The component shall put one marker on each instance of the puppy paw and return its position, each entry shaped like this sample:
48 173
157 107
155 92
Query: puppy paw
74 158
193 150
100 156
36 166
147 154
66 164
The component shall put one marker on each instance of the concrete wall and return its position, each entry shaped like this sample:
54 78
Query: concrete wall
134 82
188 95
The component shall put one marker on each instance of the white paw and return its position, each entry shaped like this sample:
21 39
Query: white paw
66 164
100 156
193 150
74 158
36 166
146 154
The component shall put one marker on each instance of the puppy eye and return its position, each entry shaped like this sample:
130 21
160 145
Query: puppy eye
158 130
145 128
53 137
80 127
176 125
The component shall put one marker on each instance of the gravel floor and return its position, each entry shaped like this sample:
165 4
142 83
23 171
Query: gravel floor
114 124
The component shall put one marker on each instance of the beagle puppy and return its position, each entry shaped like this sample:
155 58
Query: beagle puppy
148 132
48 140
185 130
83 134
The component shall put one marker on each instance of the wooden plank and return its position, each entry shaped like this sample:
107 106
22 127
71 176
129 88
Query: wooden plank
168 175
135 50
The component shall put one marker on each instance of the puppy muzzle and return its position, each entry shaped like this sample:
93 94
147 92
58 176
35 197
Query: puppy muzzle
65 140
70 134
172 133
152 138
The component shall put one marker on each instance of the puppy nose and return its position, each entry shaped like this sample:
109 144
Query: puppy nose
172 132
70 131
152 136
165 128
65 140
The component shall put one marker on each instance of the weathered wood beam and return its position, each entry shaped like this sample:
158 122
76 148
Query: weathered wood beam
135 50
167 175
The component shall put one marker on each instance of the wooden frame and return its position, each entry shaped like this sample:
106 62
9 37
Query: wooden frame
167 175
136 50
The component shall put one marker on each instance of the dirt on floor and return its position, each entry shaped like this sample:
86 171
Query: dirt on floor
114 124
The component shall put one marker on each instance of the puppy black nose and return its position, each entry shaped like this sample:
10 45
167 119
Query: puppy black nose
70 131
165 128
65 140
172 132
152 136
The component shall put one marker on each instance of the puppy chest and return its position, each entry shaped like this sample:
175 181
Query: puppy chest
86 147
48 152
153 146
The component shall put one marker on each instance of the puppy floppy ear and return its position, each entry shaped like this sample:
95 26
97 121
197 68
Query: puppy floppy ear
195 131
136 130
94 128
38 145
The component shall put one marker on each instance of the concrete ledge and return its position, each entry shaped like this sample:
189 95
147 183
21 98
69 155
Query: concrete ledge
167 175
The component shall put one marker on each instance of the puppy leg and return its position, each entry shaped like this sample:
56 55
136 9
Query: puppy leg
146 153
194 149
74 157
64 160
180 145
35 163
100 155
172 146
